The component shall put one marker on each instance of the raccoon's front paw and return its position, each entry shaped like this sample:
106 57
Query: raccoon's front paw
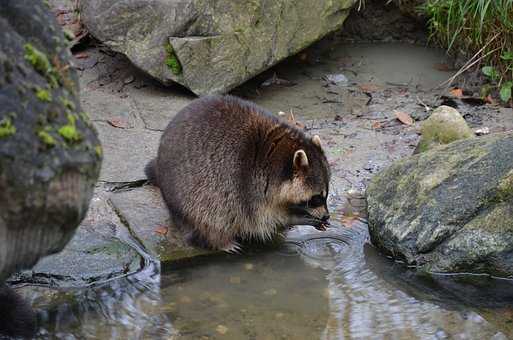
232 248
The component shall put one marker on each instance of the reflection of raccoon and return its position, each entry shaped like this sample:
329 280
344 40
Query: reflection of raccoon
17 318
230 170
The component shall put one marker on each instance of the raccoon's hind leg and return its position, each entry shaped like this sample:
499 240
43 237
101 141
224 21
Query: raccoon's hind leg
210 238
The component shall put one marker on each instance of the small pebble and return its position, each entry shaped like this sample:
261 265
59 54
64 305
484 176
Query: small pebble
235 279
249 266
221 329
271 292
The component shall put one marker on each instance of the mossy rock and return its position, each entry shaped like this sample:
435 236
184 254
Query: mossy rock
449 209
445 125
210 46
48 159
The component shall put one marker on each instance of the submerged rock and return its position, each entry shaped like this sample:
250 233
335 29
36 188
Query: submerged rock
448 209
49 153
444 126
210 46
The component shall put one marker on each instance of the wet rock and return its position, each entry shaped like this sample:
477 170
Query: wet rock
210 46
449 209
102 249
147 216
445 125
49 153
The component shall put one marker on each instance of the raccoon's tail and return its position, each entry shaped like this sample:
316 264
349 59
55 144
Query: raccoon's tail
17 318
151 171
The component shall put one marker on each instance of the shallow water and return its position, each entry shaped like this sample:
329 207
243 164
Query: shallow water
330 285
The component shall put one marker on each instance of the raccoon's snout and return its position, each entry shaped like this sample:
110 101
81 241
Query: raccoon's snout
325 217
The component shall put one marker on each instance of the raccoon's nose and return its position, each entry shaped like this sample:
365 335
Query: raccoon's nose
325 217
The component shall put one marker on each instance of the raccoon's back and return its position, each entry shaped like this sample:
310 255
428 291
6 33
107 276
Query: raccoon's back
205 157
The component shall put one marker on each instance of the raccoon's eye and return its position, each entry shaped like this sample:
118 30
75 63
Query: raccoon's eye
316 201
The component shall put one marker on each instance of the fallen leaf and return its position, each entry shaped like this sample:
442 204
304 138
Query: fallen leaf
376 125
369 87
162 230
118 122
456 92
489 99
442 67
349 220
403 117
81 55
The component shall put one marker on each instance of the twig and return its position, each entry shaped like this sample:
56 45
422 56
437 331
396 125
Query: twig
427 108
471 62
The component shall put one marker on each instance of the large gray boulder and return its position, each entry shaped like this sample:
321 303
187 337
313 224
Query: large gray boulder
49 153
210 46
449 209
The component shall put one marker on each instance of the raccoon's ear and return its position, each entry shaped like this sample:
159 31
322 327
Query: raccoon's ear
317 140
300 160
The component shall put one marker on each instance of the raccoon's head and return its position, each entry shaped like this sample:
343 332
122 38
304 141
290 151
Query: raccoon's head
304 195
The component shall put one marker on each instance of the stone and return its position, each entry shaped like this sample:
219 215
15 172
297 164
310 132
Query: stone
146 214
50 154
126 152
101 250
210 46
445 125
449 209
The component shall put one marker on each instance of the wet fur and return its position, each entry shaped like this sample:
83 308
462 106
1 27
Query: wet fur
225 169
17 319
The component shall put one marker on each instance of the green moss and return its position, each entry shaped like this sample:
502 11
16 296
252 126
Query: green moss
67 103
99 151
46 138
43 95
41 64
6 128
505 188
69 131
68 34
172 61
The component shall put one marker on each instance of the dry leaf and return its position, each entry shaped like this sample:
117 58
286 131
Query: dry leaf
81 55
162 230
456 92
489 99
403 117
349 220
442 67
369 87
118 122
376 125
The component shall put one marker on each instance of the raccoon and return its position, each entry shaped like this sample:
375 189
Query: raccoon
229 171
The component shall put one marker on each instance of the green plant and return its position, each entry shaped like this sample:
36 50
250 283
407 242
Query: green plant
172 61
482 27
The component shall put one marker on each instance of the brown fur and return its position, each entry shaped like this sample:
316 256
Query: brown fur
227 171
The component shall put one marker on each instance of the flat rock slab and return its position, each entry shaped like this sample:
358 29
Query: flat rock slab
146 214
126 152
157 106
449 209
100 250
210 46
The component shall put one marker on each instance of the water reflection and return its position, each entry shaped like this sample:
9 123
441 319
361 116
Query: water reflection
127 308
372 297
318 285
